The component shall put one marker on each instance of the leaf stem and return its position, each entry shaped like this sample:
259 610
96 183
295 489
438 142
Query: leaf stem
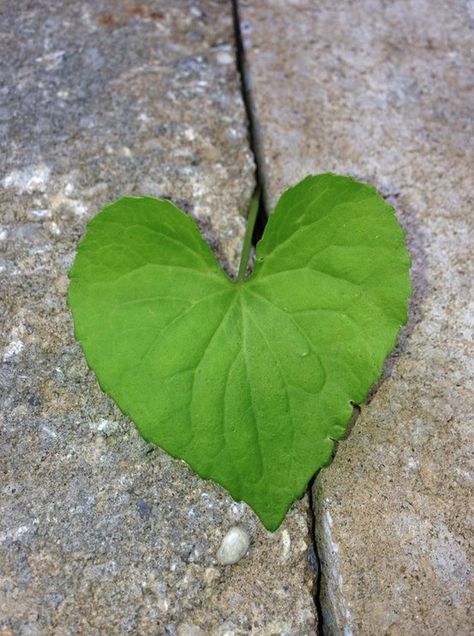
252 217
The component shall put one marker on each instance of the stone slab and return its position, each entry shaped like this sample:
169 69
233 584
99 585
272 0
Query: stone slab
101 533
384 91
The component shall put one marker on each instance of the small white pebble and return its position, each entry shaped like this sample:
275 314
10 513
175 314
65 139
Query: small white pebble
13 349
54 229
40 213
104 427
31 179
77 206
286 545
225 58
234 546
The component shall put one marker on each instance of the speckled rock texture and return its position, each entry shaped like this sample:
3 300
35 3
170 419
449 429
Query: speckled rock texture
101 533
384 91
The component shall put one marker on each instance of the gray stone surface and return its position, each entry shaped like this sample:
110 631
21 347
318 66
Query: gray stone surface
384 91
99 532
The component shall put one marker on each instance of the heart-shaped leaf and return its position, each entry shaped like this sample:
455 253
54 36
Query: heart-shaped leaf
250 382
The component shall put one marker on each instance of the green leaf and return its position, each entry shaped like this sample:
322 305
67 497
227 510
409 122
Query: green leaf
250 382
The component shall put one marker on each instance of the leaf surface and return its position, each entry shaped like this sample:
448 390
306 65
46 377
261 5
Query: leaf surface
249 382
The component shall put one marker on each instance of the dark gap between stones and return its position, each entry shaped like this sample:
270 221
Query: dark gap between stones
251 123
316 566
314 562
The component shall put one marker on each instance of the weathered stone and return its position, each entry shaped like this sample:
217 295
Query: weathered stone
101 533
384 91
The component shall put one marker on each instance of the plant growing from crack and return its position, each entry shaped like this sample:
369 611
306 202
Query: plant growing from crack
249 381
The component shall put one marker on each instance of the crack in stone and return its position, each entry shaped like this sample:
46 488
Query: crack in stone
253 129
316 567
255 143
